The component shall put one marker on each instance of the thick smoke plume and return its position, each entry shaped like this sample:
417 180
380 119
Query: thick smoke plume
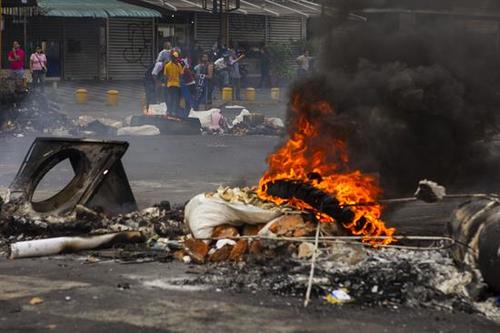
415 102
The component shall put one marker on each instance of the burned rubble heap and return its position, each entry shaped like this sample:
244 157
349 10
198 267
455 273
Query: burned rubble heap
371 276
34 113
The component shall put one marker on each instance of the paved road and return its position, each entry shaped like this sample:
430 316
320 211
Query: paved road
170 167
80 296
83 296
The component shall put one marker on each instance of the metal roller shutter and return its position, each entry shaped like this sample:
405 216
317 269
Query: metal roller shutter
284 29
130 50
206 30
81 49
247 28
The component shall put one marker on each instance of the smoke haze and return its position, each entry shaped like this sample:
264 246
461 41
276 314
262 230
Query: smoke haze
418 99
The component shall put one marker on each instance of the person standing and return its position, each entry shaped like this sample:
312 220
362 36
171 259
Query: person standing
38 68
159 66
173 72
235 73
16 58
188 86
265 68
204 74
304 64
164 55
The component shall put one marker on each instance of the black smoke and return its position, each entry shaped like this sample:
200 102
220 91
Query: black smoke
421 100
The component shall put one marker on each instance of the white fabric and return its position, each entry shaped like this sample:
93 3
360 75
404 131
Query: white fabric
146 130
158 68
239 118
202 214
208 119
157 109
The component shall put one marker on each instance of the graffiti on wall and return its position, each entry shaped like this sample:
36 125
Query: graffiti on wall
139 44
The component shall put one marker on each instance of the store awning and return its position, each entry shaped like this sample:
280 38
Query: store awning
18 3
95 9
304 8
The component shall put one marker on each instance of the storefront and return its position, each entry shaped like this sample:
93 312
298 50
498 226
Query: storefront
107 40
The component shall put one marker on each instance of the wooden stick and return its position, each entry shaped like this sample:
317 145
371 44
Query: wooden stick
313 264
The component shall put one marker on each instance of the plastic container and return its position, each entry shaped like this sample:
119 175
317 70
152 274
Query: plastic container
112 97
81 96
250 94
227 94
275 94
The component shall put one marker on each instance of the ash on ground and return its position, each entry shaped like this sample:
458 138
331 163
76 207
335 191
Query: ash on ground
371 277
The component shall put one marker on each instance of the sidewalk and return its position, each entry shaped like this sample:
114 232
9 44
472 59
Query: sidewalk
131 99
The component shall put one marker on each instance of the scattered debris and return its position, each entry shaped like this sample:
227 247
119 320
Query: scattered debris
338 296
51 246
36 300
429 191
100 181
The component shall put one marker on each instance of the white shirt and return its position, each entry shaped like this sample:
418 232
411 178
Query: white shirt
158 68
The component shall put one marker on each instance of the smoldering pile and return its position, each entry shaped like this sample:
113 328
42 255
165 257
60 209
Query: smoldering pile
34 114
370 277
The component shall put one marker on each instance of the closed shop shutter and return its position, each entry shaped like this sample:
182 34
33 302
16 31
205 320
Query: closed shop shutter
284 29
81 49
247 28
130 48
78 41
206 29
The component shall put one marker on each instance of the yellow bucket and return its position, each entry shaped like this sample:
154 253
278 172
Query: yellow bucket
81 96
227 94
275 94
250 94
112 97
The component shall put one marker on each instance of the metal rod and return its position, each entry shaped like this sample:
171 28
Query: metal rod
313 264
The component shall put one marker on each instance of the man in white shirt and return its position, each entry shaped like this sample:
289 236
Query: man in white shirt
303 62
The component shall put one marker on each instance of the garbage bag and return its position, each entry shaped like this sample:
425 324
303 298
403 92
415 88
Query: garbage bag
203 213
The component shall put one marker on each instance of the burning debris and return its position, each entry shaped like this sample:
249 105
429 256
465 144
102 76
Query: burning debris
311 171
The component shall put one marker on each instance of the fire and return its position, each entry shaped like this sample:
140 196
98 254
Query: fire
307 153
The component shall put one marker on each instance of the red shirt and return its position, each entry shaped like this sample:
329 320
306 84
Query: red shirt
17 64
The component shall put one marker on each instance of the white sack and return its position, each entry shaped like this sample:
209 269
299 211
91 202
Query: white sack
207 118
203 214
157 109
239 118
138 130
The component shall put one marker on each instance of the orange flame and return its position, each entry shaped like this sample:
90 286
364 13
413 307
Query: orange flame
306 152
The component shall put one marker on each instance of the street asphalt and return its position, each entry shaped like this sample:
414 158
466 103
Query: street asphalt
81 295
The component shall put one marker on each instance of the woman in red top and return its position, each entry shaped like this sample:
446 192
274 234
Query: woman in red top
16 59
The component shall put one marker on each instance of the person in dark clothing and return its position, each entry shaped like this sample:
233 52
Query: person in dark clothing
195 54
265 68
150 87
204 75
235 73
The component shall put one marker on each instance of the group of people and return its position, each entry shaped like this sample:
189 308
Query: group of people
192 78
37 65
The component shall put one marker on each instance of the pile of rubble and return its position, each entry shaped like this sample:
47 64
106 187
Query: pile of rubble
274 257
34 114
237 120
